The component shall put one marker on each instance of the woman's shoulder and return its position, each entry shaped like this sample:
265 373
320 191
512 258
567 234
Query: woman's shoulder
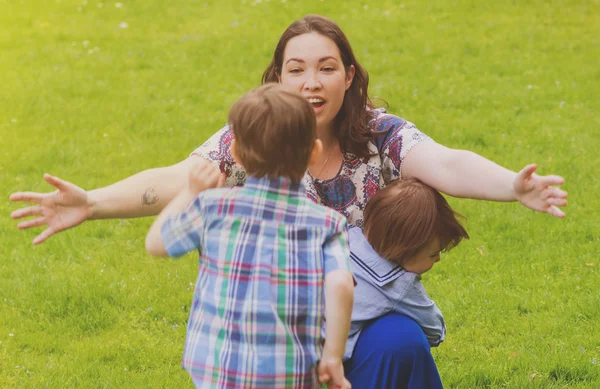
223 137
391 130
217 150
383 122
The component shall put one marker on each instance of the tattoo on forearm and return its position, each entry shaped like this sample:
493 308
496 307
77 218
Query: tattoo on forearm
150 197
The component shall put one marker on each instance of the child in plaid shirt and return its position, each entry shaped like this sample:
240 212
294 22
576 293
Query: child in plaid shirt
269 257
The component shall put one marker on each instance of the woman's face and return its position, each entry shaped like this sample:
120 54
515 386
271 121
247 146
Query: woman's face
312 66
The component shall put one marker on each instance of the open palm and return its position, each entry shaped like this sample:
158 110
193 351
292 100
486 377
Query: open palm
540 192
64 208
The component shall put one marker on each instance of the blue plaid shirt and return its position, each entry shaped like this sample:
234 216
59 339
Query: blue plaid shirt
258 303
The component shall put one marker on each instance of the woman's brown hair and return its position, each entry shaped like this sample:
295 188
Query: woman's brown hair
350 125
406 216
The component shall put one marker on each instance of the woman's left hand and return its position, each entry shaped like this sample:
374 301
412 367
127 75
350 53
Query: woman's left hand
540 192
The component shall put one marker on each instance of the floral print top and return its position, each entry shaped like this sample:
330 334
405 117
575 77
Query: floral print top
358 178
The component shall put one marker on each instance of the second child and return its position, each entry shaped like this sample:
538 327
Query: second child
406 227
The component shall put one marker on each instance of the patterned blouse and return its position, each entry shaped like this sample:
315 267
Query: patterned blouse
358 178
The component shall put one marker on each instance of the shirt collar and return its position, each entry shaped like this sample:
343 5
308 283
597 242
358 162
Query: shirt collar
379 270
280 185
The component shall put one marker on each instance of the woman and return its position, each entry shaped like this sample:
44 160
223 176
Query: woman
364 150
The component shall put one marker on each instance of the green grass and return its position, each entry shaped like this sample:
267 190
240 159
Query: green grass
92 102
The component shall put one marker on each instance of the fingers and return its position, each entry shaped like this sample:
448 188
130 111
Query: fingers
35 197
552 180
344 384
555 211
555 196
521 182
557 202
554 192
57 182
197 169
222 180
48 232
204 164
204 168
213 175
324 378
527 171
40 221
210 178
204 175
29 197
337 378
34 210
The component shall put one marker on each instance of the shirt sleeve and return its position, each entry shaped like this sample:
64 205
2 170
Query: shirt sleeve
417 305
394 138
217 149
336 254
182 232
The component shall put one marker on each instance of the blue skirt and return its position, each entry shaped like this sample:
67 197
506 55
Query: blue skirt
392 352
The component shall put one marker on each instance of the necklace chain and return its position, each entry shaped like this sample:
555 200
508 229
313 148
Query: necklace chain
324 163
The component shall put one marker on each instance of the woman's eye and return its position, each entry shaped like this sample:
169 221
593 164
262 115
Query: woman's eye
295 70
328 69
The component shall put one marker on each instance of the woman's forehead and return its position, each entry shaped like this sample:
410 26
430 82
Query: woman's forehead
310 47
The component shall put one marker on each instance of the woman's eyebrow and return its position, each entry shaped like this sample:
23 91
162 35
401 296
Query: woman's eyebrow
322 59
295 59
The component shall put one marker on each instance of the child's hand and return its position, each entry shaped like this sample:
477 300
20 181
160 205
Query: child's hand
331 372
203 175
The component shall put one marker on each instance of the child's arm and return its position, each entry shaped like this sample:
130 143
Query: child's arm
417 305
201 176
339 299
154 242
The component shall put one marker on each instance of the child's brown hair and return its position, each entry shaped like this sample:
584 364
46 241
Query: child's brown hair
406 216
275 132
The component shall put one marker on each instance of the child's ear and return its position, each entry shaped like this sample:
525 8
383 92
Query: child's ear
316 151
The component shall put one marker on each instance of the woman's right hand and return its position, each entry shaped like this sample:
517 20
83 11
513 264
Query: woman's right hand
66 207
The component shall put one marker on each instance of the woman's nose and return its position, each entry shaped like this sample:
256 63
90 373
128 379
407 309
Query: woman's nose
312 81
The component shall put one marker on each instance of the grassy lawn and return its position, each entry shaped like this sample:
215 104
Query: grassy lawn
96 91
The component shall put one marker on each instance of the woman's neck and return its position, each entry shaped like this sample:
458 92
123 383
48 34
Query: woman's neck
328 164
327 138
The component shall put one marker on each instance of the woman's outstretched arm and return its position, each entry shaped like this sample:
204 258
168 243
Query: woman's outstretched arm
462 173
143 194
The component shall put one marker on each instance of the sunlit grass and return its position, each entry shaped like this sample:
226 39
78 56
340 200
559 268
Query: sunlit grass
94 92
